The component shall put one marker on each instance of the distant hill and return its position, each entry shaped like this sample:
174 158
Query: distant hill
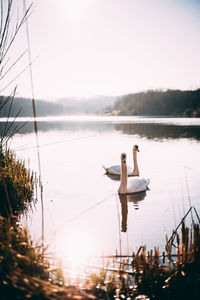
88 105
158 103
63 106
24 106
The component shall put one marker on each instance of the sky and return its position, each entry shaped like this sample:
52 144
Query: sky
108 47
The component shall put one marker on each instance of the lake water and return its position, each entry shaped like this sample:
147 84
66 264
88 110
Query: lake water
83 212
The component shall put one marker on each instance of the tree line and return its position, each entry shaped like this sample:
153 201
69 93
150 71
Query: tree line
170 102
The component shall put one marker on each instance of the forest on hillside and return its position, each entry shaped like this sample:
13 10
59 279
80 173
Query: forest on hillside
23 107
158 103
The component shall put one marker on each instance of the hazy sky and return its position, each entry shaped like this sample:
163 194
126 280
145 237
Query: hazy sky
111 47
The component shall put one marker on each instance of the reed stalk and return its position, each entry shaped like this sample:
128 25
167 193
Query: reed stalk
179 279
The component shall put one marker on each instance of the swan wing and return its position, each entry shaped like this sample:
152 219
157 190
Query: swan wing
137 184
115 170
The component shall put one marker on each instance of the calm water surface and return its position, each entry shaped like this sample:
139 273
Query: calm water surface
83 211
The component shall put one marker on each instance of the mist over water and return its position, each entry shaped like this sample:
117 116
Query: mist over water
82 203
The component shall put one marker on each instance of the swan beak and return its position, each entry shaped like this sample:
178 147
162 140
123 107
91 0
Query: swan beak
136 148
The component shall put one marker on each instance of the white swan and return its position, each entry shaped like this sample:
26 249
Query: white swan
116 170
130 185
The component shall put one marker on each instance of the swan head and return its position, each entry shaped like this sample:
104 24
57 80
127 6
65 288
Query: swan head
123 158
136 148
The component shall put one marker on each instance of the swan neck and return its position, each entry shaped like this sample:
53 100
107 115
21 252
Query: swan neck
135 169
123 179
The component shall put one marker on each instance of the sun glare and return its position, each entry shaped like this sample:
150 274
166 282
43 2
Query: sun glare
75 9
77 248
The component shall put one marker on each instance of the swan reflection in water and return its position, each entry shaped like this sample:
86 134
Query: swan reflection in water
124 199
113 177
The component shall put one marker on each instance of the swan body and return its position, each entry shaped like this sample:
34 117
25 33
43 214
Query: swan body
138 184
116 170
131 185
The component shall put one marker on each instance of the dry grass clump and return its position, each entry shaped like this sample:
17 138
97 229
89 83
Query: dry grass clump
16 186
18 256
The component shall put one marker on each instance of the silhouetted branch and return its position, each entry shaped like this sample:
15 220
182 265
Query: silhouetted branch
9 69
5 41
8 33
